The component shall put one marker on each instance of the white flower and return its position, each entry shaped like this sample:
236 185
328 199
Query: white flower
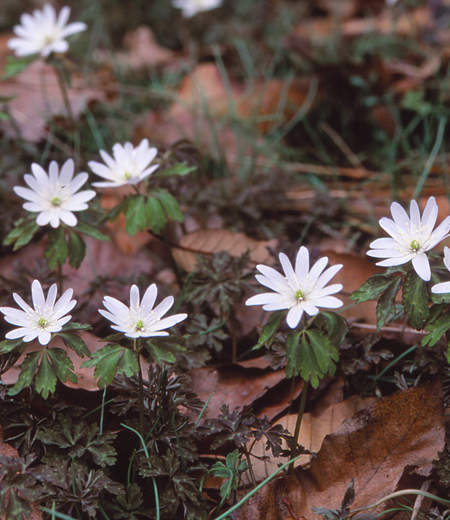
140 319
54 196
190 8
302 290
411 237
443 287
45 318
41 33
129 166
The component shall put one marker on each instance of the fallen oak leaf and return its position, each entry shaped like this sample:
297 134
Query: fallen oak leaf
375 447
210 241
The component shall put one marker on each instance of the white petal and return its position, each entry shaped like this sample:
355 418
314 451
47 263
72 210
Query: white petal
267 298
288 270
415 215
44 337
422 266
394 261
37 295
149 298
400 216
116 307
430 214
294 316
169 322
441 288
163 307
302 264
67 217
316 270
134 297
447 257
329 302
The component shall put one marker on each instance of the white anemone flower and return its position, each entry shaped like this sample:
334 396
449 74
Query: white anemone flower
190 8
129 166
300 290
46 318
411 236
55 195
443 287
140 319
43 33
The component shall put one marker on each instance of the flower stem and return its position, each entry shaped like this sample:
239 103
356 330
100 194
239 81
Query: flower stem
298 423
63 87
141 388
60 276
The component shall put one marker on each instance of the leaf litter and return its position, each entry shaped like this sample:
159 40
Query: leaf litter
384 446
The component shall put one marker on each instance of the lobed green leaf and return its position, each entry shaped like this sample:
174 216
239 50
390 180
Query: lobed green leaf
415 299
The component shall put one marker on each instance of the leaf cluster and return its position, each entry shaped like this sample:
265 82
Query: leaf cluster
219 278
359 355
150 211
385 287
45 367
171 440
240 426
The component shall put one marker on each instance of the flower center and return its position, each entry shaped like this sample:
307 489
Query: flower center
139 325
56 201
415 245
127 176
42 322
300 295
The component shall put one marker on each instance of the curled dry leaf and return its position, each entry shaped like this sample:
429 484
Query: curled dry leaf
376 447
210 241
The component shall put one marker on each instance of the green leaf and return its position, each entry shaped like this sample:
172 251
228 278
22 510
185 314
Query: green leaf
77 249
62 364
27 372
179 169
324 350
170 205
8 345
45 377
160 354
270 329
73 325
386 303
372 289
74 342
91 231
56 250
294 361
22 233
415 299
135 215
156 217
333 325
313 358
16 65
110 360
436 330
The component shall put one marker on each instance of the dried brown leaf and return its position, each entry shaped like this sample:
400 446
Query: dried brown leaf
404 430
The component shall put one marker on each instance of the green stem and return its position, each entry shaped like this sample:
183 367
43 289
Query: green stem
141 388
250 466
65 95
257 488
60 276
298 423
